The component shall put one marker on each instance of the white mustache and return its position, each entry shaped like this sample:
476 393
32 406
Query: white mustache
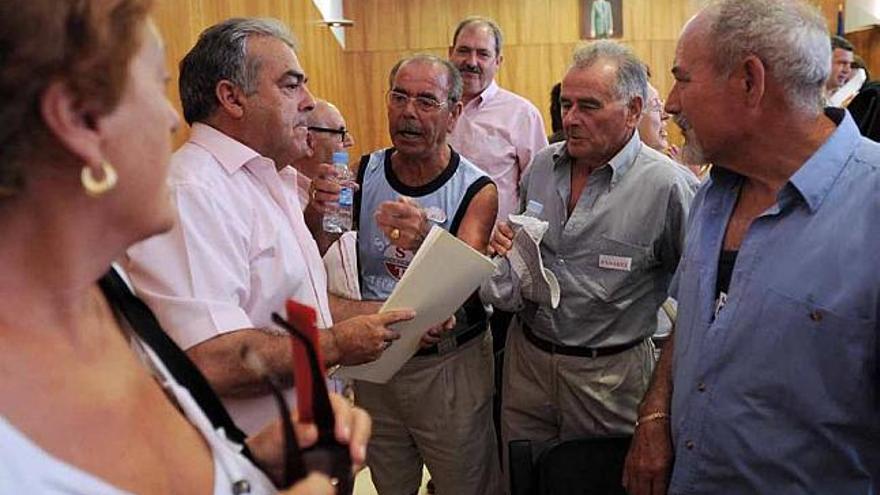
409 127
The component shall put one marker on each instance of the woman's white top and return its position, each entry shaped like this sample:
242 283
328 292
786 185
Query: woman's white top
26 468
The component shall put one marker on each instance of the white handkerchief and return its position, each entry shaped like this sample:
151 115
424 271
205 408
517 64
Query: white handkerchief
537 283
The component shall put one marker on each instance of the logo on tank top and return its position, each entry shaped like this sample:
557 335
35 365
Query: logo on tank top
397 260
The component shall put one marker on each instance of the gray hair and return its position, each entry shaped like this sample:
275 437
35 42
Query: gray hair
632 79
453 76
789 36
483 21
221 54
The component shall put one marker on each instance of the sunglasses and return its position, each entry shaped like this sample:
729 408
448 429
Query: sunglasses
327 455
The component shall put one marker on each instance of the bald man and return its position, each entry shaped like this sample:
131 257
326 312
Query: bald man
327 134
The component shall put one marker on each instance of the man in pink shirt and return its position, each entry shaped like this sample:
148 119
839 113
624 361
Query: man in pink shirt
241 247
498 131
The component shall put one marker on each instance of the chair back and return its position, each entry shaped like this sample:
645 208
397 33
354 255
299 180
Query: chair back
584 466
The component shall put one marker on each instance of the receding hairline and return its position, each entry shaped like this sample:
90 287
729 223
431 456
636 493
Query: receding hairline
323 111
494 30
438 64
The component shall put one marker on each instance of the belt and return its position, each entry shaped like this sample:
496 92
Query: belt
573 350
450 344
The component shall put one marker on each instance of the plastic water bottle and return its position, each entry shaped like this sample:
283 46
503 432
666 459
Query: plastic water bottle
338 219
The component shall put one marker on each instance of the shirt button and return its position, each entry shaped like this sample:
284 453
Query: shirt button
701 387
241 487
689 445
560 261
816 315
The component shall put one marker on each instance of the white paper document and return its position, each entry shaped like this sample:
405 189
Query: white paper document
441 276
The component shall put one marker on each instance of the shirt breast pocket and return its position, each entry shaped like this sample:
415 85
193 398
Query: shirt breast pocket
815 354
618 263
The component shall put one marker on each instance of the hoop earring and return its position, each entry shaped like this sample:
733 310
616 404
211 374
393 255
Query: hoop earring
94 187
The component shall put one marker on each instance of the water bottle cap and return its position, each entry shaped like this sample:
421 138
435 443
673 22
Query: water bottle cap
340 157
534 208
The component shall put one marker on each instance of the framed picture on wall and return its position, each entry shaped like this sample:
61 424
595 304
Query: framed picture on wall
601 19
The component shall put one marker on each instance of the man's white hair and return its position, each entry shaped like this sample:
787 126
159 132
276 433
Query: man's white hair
789 36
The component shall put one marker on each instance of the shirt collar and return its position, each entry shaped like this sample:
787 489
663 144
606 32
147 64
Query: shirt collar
487 94
231 153
619 163
814 179
817 175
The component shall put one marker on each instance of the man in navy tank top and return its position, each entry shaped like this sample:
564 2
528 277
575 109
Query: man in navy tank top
437 410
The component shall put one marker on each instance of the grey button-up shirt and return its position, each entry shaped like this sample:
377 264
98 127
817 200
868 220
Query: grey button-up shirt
615 254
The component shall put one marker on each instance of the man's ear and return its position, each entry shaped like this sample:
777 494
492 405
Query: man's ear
310 144
74 124
753 75
634 111
231 98
454 113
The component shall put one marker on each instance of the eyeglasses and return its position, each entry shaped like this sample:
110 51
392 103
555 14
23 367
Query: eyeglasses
424 104
656 105
342 131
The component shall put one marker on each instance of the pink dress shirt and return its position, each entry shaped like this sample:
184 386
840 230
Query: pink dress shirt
239 250
303 184
500 132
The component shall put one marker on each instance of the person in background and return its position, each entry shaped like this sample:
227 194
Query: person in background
770 384
498 131
87 405
652 131
240 247
327 134
841 64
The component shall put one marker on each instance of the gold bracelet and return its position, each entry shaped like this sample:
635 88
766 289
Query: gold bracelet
651 417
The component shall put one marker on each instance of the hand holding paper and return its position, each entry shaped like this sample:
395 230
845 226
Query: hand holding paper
442 275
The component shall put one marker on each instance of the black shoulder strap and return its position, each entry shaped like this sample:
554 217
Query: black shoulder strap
145 325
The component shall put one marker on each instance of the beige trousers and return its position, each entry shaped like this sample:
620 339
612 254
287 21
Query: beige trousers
548 398
436 411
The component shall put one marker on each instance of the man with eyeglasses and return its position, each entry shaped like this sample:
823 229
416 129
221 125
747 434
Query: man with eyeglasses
616 211
437 410
652 131
326 134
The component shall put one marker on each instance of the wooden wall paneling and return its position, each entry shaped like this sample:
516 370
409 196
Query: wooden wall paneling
867 45
829 11
427 25
539 38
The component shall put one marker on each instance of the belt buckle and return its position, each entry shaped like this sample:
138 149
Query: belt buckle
447 345
594 353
